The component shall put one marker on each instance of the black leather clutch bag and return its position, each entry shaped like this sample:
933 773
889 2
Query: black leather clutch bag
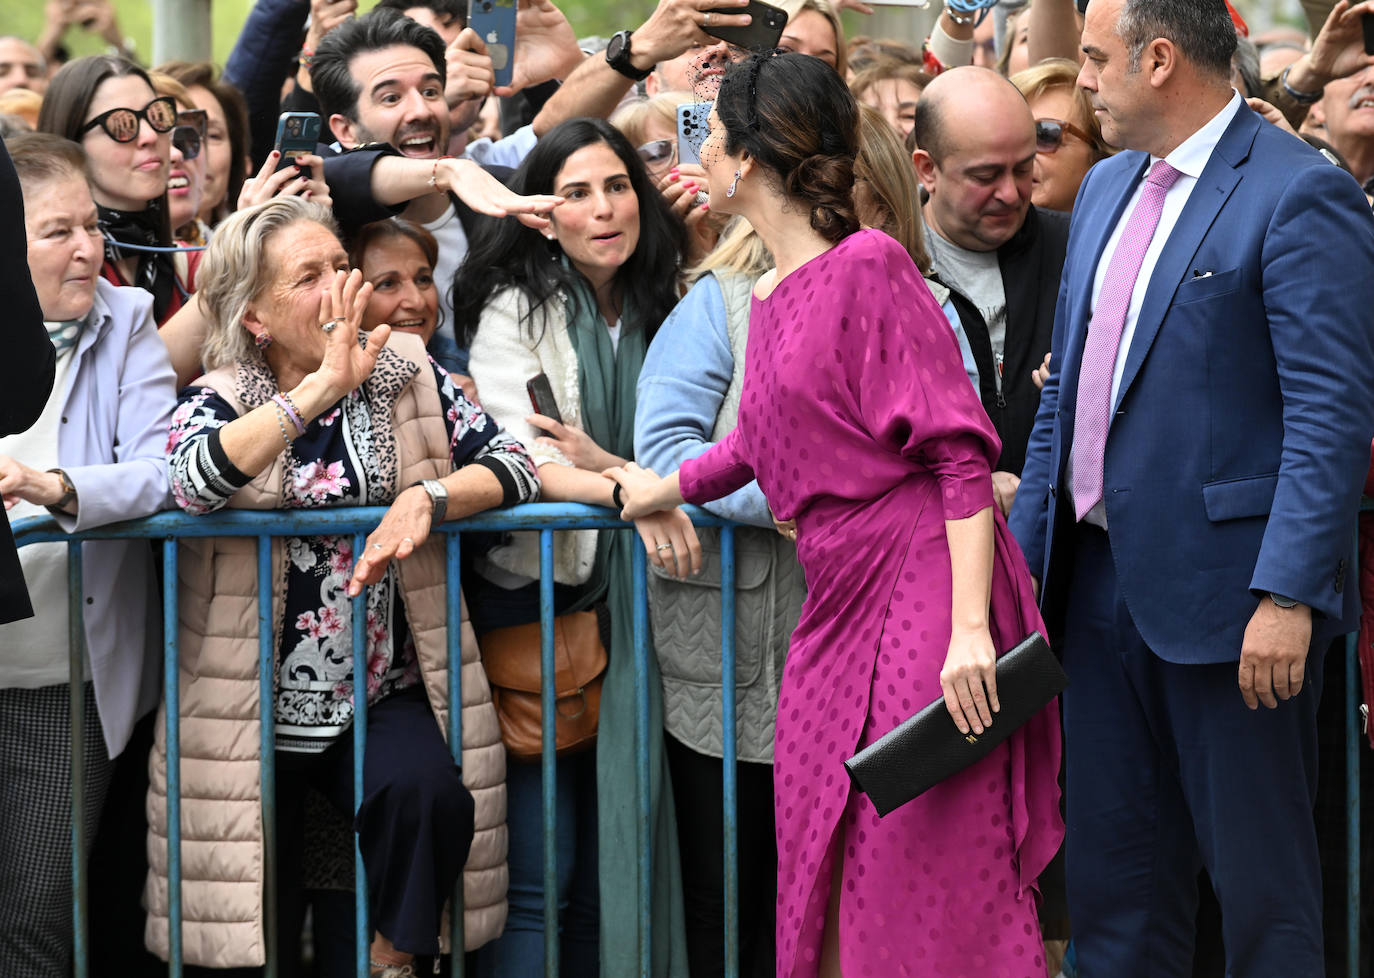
924 750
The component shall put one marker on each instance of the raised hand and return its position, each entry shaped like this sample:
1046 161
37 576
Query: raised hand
270 182
486 195
545 46
347 362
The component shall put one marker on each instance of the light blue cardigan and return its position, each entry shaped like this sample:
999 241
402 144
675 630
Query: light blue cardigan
112 442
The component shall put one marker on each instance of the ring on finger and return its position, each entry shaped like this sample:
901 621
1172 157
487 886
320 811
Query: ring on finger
376 546
330 324
664 546
708 19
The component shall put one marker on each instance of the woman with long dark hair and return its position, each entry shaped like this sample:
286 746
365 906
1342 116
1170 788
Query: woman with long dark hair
578 307
108 106
860 425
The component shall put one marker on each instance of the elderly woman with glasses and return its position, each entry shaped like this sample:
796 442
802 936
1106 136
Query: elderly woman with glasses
109 107
300 410
1068 139
95 455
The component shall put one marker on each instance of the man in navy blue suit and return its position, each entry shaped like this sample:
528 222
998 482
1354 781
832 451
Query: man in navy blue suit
1189 498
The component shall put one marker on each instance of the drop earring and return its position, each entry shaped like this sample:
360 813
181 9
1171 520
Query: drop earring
733 184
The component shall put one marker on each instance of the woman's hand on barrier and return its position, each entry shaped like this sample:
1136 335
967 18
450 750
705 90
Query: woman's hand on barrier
575 444
642 491
346 362
670 541
303 180
404 527
969 679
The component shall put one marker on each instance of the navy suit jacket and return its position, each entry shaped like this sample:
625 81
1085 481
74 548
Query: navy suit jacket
1240 441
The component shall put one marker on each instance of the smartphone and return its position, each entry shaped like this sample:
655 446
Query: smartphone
541 396
494 22
298 133
691 131
1367 24
763 31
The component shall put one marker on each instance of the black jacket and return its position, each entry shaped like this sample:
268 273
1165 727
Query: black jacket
1031 263
26 370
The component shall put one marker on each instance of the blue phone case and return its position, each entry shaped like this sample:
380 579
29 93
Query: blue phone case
494 22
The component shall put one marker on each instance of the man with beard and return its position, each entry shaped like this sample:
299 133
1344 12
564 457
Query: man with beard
999 256
380 81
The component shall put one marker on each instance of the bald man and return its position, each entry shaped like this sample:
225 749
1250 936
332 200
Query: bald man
998 255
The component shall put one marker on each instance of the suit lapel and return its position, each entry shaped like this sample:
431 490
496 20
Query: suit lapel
1214 187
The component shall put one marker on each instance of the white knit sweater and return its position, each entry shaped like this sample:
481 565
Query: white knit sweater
505 355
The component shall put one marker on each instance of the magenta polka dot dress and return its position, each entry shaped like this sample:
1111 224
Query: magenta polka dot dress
859 422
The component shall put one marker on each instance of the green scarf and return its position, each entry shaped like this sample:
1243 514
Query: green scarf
607 377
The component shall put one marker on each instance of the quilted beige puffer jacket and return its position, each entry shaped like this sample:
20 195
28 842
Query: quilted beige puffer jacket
222 847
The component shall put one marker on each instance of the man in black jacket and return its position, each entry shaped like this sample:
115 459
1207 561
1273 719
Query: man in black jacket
999 256
26 370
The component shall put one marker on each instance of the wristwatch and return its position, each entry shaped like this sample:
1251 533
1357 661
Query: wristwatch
68 490
618 57
438 499
1282 601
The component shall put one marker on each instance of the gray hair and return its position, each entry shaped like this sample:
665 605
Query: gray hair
234 272
1202 30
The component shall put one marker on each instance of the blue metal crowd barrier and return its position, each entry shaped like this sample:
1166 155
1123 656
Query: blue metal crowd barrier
544 518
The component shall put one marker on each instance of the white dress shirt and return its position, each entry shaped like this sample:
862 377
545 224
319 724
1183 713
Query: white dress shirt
1189 158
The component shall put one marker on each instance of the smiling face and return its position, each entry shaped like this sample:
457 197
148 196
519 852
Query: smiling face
1348 107
1057 175
185 187
126 176
216 150
64 246
597 226
306 255
400 101
809 32
404 294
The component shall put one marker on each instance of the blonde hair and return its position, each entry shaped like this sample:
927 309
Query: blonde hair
22 103
165 84
827 10
1053 74
892 201
885 70
234 272
740 251
633 119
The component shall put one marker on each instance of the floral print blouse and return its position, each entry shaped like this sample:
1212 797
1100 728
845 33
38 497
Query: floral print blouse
333 464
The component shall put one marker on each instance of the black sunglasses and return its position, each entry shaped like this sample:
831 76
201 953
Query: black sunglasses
187 140
1050 133
121 125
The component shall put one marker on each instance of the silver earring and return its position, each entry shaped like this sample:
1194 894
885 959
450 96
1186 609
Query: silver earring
733 184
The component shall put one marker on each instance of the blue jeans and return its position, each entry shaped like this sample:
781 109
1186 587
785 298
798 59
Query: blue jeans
519 951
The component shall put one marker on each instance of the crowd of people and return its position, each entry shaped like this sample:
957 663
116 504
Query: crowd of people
1029 325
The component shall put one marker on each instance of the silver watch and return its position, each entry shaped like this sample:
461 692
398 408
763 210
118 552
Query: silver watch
438 499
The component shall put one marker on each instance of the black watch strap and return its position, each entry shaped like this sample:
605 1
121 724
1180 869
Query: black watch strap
618 57
68 490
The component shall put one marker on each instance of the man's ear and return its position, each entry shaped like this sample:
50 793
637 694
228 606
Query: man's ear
926 170
345 130
1159 60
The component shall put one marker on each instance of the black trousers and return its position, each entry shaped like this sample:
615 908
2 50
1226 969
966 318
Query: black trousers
699 799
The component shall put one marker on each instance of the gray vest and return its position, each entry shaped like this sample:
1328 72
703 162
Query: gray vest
685 615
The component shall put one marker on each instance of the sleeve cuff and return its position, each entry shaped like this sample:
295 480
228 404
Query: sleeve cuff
226 469
516 487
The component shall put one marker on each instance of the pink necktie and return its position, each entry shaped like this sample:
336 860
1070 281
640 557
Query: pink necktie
1092 413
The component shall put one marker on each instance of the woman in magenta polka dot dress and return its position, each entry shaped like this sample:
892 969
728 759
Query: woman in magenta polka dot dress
860 424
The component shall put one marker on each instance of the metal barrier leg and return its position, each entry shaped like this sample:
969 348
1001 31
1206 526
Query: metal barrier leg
171 686
76 686
1352 803
646 841
453 596
729 750
267 751
548 770
363 932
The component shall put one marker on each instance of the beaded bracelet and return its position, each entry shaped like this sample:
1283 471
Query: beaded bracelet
281 423
434 173
283 400
306 58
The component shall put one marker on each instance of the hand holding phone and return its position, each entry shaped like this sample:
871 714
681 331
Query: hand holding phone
761 34
692 131
494 23
541 397
298 133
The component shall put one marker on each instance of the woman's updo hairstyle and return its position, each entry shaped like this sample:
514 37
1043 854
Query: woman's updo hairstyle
795 115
